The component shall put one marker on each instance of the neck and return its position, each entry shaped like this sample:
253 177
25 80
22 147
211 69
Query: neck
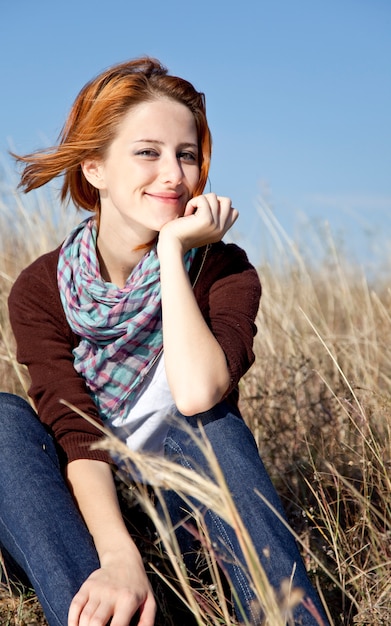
119 250
116 265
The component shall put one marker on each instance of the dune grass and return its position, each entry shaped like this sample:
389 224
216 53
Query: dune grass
317 400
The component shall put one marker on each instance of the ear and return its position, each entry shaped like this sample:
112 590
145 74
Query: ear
93 172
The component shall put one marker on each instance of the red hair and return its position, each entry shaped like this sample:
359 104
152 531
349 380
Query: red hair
92 125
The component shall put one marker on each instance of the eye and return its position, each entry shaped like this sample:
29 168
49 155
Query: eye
185 155
148 153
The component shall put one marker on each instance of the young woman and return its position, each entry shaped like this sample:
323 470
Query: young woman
142 313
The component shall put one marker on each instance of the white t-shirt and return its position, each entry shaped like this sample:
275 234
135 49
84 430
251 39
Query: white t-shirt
147 422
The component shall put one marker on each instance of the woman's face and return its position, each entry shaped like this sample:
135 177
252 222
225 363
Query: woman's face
151 168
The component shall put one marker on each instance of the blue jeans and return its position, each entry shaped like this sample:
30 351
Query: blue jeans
40 526
42 530
245 475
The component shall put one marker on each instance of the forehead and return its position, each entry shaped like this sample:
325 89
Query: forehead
163 115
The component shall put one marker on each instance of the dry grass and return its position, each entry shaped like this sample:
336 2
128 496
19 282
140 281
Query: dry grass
318 401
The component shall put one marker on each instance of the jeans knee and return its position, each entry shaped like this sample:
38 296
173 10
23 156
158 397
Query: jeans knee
228 433
22 434
16 415
10 402
225 430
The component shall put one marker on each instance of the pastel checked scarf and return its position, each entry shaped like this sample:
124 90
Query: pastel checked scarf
120 329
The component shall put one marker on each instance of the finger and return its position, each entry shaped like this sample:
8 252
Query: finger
234 215
98 614
225 205
226 215
148 612
194 204
76 607
207 207
221 209
215 205
127 607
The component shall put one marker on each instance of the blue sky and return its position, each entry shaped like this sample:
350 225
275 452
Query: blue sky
298 95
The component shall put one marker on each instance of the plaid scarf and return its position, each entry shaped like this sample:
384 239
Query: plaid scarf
120 329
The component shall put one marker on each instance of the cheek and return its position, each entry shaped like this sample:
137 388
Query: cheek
198 188
194 181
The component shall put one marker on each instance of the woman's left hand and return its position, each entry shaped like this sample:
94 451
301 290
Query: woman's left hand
206 219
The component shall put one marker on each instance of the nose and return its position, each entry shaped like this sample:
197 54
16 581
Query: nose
171 171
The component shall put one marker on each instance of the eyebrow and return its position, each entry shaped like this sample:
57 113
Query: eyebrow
186 144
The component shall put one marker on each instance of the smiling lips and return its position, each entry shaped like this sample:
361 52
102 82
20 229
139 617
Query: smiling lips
166 196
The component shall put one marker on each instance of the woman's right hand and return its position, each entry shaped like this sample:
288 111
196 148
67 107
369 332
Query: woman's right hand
117 591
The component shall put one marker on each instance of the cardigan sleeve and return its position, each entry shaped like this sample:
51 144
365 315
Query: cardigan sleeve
44 344
228 292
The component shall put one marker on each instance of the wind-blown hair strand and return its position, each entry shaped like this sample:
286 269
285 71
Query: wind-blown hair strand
93 121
